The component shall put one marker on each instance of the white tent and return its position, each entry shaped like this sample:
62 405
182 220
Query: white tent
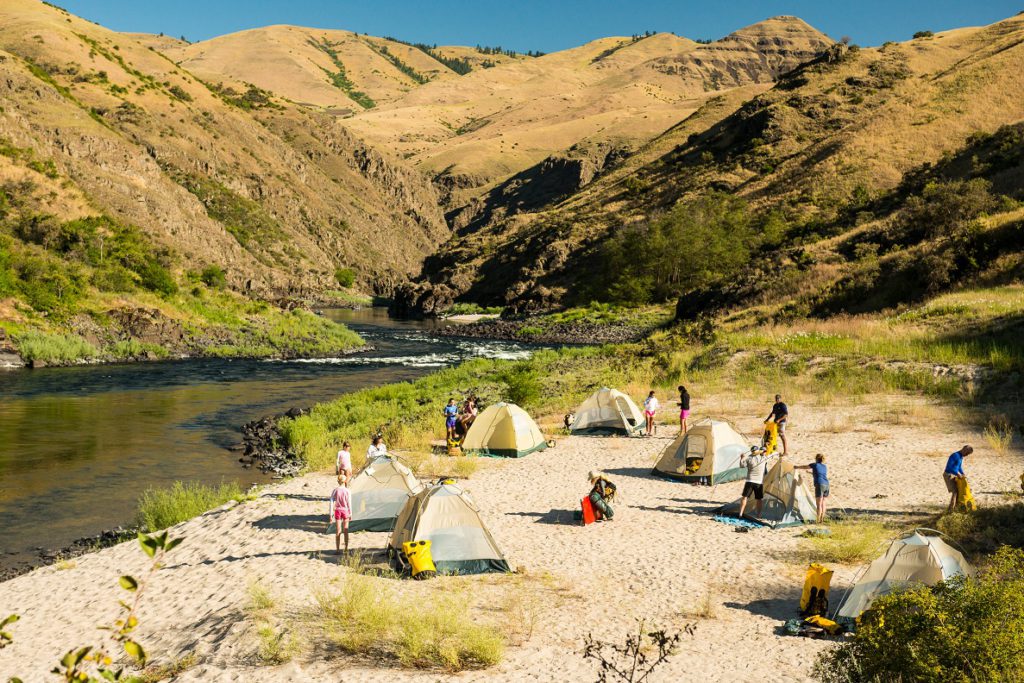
445 515
787 500
912 559
710 450
503 430
379 492
607 411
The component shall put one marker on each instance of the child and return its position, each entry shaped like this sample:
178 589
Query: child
341 512
684 408
451 416
343 463
820 473
376 447
651 406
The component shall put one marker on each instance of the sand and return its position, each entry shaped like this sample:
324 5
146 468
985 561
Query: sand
663 559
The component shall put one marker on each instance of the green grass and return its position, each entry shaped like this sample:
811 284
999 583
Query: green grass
160 508
473 309
853 541
54 347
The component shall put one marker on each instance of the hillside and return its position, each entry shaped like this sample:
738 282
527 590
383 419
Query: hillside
812 154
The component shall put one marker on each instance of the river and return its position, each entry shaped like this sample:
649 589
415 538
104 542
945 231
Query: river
78 445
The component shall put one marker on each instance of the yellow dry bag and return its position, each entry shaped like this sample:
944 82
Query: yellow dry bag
770 439
814 599
964 497
418 554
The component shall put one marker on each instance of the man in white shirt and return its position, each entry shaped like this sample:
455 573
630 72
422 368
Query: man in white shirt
756 463
376 448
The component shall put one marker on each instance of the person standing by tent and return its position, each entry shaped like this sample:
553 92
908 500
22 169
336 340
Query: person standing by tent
469 413
756 463
819 471
780 415
340 512
684 408
451 417
955 470
651 406
376 448
343 463
601 494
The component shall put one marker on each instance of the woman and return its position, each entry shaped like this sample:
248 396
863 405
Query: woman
468 413
684 408
602 493
651 406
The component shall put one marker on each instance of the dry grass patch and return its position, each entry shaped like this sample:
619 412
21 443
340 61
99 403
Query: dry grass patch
999 435
164 672
851 541
706 607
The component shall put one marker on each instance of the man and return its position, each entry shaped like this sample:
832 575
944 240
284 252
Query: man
780 414
955 470
755 462
601 495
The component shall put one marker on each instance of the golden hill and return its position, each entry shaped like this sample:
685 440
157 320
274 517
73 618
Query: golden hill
278 195
833 134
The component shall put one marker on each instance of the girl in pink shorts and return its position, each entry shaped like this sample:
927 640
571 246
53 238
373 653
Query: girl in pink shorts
340 512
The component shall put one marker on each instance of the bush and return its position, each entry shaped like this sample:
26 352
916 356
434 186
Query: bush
113 279
156 278
849 542
523 385
923 34
160 508
960 630
213 276
346 277
54 348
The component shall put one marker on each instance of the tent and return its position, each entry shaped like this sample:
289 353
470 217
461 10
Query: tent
378 493
787 500
709 451
607 411
445 515
913 558
504 430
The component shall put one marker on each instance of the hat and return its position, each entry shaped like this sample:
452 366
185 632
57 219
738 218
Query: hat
594 474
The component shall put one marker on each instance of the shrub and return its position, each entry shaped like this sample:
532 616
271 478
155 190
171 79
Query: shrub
346 277
179 93
523 385
213 276
160 508
923 34
849 542
157 278
999 434
960 630
113 279
54 348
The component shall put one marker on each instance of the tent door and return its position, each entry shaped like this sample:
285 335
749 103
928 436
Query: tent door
624 412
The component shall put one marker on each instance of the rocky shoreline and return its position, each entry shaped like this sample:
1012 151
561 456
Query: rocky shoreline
539 331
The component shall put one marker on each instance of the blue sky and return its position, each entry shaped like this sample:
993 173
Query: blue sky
545 25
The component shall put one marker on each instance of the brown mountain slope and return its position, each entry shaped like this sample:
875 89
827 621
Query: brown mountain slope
844 127
277 195
476 131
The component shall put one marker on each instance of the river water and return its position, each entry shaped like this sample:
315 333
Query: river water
78 445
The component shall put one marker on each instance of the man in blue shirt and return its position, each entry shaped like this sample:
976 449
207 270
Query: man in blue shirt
955 470
819 471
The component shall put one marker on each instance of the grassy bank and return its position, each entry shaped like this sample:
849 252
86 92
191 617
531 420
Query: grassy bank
161 508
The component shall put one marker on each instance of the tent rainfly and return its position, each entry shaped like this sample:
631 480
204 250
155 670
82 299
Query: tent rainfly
913 558
379 492
503 430
787 500
710 450
445 515
607 411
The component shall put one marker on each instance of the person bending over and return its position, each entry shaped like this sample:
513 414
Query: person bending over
955 470
602 493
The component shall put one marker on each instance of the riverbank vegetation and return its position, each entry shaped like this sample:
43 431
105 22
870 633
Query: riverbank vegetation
161 508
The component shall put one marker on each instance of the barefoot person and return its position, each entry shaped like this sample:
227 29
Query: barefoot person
376 448
340 512
343 463
684 408
451 417
780 414
819 471
955 470
651 406
601 495
756 463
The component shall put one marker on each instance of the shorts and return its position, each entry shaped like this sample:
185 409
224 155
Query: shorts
821 491
342 515
649 413
450 422
752 488
782 427
684 413
950 482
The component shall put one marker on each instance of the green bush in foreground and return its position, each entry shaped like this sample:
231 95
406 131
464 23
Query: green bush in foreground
160 508
961 630
54 348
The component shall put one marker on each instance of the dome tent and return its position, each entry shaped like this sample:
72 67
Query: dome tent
913 558
503 430
445 515
787 501
379 492
710 450
607 411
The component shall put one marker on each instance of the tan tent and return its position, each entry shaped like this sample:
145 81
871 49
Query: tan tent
709 452
914 558
607 411
379 492
787 500
503 430
445 515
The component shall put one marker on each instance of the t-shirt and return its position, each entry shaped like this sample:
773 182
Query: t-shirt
755 467
341 499
651 404
780 412
451 411
955 464
820 473
374 451
344 461
684 400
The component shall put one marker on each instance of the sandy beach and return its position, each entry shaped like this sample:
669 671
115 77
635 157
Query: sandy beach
663 559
